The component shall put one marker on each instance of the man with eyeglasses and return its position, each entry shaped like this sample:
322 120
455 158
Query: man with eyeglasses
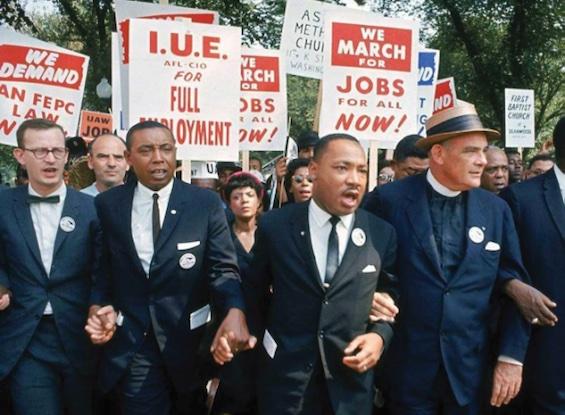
171 264
44 285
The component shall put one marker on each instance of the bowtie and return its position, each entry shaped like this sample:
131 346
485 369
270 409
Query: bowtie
38 199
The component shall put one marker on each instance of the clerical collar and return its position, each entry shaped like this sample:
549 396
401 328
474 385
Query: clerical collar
440 188
560 176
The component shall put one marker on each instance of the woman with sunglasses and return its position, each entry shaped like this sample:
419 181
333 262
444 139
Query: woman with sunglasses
236 392
298 182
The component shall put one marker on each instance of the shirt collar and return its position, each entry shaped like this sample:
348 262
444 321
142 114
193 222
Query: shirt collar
440 188
560 176
321 217
163 193
61 192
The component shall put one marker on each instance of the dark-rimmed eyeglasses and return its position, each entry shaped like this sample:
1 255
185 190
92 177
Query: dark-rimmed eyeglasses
41 152
300 178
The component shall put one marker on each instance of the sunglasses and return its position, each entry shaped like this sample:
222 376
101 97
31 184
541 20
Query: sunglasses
300 178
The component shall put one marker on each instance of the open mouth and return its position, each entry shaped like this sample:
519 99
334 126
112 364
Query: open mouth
159 174
350 198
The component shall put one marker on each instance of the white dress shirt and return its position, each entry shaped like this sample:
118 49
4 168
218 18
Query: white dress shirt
91 190
560 180
46 218
141 224
320 228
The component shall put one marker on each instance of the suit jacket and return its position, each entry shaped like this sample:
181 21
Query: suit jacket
76 260
310 324
172 296
539 214
446 323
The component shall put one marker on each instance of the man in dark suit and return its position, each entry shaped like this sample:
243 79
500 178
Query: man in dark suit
323 259
170 263
539 213
50 246
457 245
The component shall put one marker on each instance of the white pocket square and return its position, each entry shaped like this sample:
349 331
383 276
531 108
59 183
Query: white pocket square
181 246
492 246
369 268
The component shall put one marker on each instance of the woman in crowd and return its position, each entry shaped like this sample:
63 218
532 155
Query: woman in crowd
298 182
236 392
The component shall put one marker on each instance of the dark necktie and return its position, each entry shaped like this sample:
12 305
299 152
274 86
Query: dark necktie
332 260
38 199
156 218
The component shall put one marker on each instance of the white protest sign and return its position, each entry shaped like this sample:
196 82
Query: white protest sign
370 77
38 80
302 39
428 68
519 113
126 9
263 101
182 75
203 170
445 96
117 110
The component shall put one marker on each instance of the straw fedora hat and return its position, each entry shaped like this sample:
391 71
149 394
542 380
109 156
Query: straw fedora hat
453 122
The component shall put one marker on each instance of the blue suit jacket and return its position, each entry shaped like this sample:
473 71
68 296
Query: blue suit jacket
446 322
194 224
312 325
76 260
539 213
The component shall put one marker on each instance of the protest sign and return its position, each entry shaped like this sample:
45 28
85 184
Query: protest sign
263 101
181 74
38 80
302 40
370 77
92 124
519 113
126 9
117 110
445 96
203 170
428 68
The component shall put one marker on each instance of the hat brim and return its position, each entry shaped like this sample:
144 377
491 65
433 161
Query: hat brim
427 142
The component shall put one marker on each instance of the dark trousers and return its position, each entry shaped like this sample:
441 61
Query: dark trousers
44 381
147 389
316 397
440 401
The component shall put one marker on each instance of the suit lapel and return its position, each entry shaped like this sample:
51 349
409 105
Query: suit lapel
554 201
23 217
420 218
71 210
171 219
351 255
301 236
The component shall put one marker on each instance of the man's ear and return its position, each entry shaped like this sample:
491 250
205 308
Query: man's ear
313 168
18 154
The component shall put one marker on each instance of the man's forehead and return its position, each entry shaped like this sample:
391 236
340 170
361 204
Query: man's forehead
153 135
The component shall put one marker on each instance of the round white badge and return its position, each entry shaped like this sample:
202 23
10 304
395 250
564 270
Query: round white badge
476 235
67 224
187 261
358 237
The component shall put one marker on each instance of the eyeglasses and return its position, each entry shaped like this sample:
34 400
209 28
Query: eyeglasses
41 152
300 178
387 178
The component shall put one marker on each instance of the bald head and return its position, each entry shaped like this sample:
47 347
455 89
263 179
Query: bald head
106 156
495 174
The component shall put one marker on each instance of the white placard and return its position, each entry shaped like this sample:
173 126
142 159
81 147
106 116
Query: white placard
263 101
181 74
126 9
428 68
302 40
118 116
519 113
370 79
38 80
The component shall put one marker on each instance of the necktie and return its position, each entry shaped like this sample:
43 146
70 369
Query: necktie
156 218
38 199
332 260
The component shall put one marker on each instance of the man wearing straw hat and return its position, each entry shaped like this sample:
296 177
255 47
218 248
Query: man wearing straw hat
457 248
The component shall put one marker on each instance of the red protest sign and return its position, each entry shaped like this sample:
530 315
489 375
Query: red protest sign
260 73
445 96
93 124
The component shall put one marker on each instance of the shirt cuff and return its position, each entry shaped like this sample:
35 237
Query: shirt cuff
507 359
